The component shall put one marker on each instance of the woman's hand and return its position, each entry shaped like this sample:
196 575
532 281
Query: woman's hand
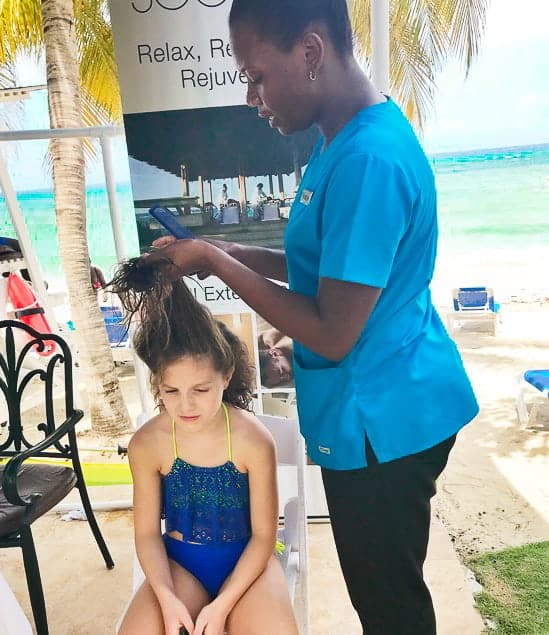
211 619
176 616
188 256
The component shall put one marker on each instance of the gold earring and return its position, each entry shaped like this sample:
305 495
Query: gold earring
312 75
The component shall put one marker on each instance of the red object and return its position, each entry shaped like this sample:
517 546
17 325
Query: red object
28 310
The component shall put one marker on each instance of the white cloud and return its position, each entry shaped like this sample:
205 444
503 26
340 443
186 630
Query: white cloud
516 21
505 98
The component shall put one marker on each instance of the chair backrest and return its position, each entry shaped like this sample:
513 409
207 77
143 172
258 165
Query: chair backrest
473 299
270 211
287 439
291 453
230 214
28 380
290 448
117 331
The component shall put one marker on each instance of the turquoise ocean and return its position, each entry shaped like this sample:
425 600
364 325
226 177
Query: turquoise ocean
489 201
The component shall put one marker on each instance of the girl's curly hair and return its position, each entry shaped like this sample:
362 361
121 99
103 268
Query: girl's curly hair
171 323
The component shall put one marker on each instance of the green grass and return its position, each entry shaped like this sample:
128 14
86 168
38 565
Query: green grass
516 589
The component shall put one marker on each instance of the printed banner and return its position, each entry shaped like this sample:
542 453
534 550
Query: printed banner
195 147
197 150
175 54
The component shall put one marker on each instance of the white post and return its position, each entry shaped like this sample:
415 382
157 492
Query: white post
24 241
141 375
114 208
379 24
145 396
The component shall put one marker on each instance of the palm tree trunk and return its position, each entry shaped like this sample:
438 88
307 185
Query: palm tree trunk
109 414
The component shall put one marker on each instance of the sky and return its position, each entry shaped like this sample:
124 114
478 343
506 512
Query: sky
504 101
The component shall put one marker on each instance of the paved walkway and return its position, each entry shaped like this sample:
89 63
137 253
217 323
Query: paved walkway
331 611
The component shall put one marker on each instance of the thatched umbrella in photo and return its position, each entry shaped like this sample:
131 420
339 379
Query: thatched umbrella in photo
216 143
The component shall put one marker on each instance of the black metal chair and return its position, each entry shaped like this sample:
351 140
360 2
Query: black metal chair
31 489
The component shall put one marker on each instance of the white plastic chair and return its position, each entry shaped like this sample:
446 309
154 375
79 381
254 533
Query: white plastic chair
270 211
12 619
290 448
230 214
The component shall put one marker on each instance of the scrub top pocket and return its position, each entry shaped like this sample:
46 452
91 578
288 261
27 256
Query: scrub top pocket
329 417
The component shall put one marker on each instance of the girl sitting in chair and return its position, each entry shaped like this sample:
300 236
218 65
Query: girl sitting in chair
205 465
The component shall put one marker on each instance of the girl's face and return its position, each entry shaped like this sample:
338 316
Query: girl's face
278 82
191 390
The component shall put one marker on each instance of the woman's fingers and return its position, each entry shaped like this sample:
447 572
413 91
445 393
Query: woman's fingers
163 241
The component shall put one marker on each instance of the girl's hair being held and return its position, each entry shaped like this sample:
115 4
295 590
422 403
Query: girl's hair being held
283 22
172 324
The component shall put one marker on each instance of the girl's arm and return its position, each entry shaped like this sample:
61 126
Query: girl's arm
260 459
148 541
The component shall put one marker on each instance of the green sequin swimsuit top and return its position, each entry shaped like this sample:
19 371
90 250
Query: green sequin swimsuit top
207 505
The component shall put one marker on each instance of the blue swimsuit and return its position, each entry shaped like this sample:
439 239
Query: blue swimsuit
210 507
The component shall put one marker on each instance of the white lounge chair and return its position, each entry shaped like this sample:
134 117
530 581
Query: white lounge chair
537 380
473 304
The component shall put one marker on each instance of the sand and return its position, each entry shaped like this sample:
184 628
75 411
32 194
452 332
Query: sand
493 494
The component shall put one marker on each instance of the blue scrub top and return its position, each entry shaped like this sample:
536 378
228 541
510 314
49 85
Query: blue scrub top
365 212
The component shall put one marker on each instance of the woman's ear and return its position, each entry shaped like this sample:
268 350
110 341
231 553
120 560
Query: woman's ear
314 52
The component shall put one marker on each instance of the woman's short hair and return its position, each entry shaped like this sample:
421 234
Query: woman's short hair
283 22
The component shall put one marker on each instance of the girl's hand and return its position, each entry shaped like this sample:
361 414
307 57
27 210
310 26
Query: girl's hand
211 620
176 616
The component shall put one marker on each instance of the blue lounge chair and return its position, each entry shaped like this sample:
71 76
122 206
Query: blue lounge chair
473 304
532 379
117 331
118 335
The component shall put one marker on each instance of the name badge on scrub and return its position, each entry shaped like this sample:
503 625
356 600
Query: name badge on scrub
306 197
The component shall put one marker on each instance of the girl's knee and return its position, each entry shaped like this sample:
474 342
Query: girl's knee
143 615
265 607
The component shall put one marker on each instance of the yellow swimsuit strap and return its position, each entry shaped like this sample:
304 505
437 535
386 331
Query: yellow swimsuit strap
174 440
229 439
228 424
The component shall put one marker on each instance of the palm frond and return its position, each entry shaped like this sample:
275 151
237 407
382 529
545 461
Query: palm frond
412 60
92 115
98 73
11 114
424 34
7 76
465 22
21 28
